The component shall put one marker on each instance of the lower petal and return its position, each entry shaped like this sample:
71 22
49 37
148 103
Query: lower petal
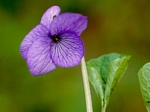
38 57
68 51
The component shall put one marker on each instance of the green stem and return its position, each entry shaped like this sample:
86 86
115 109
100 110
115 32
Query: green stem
103 108
89 107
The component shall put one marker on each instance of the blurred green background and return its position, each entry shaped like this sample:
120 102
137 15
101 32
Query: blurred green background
121 26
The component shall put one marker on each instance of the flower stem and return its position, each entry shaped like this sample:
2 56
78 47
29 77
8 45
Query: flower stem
86 86
103 108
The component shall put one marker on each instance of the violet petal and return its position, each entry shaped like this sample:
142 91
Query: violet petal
49 15
68 51
37 32
38 58
69 22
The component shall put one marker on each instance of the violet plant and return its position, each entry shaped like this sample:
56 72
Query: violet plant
56 41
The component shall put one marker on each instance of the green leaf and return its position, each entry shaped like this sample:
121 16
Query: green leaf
116 71
144 79
97 82
105 72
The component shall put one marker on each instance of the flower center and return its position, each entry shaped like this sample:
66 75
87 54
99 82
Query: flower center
56 38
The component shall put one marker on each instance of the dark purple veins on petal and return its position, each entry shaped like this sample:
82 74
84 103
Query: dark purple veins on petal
38 58
68 51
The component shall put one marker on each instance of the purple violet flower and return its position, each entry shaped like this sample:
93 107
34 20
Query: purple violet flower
54 42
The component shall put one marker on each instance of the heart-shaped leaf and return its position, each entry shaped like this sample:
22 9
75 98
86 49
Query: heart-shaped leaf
144 79
116 71
105 72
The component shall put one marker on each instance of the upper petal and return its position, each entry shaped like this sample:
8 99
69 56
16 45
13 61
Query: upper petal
49 15
69 22
38 58
68 51
37 32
